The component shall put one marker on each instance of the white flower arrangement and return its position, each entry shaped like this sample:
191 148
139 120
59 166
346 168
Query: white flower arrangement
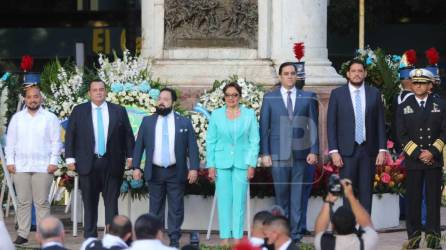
130 81
3 107
252 96
65 93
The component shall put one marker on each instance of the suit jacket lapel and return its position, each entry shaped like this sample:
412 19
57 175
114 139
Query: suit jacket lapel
281 101
349 102
90 125
177 130
111 120
367 103
298 96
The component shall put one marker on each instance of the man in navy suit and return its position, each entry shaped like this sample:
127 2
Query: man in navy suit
356 131
168 140
98 141
289 142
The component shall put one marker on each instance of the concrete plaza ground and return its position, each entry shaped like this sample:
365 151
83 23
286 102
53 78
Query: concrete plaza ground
392 239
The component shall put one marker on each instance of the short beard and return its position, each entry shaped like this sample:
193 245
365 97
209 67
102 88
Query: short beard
163 111
356 84
33 109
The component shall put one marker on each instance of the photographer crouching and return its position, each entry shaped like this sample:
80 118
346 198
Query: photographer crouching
345 235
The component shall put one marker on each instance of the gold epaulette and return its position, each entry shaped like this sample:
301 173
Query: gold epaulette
439 144
410 147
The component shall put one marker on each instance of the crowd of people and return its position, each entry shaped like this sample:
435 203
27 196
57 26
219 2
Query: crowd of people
99 144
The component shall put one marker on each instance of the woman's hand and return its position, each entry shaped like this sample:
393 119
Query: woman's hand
251 172
211 174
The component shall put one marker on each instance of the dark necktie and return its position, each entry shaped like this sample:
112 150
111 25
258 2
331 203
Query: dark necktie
422 104
289 106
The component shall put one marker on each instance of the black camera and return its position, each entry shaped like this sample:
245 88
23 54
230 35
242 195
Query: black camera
334 185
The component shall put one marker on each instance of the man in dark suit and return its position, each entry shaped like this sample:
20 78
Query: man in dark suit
289 142
356 131
50 234
277 231
98 141
421 129
169 141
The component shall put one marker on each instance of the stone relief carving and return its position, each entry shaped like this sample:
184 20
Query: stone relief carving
211 23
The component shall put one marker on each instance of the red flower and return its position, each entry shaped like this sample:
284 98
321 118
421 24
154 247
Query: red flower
299 50
245 244
432 56
411 56
27 63
385 178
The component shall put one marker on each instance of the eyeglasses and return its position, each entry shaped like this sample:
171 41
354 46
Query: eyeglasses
231 96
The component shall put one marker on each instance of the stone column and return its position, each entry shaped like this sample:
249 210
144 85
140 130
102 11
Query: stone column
303 21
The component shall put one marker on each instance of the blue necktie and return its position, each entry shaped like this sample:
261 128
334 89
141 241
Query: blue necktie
359 119
289 106
100 130
165 155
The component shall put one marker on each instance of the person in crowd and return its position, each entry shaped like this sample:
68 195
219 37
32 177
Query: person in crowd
258 236
421 129
5 239
277 231
171 157
149 233
232 149
289 142
344 221
406 91
98 141
119 236
356 131
33 148
50 234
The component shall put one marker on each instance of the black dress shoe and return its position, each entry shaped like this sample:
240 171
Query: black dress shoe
174 243
20 240
306 233
32 228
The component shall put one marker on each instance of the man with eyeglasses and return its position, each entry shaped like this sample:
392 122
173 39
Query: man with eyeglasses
289 142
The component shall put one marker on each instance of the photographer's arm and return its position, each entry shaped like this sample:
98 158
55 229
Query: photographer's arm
361 215
323 219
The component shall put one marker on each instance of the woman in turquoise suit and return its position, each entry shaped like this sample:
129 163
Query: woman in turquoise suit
232 148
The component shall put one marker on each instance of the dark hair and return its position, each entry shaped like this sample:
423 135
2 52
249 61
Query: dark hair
147 227
233 85
343 221
280 221
173 93
95 80
355 61
261 217
285 64
28 87
120 226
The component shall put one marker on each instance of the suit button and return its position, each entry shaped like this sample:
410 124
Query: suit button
428 137
429 145
421 145
421 137
421 129
428 129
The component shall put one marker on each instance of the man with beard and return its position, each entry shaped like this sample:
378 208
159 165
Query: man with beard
168 140
33 148
98 141
356 131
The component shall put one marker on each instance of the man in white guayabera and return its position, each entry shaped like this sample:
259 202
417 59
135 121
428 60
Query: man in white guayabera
33 148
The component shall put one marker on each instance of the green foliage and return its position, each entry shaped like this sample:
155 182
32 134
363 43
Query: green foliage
14 86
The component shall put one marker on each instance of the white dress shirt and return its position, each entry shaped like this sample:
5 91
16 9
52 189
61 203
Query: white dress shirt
105 122
33 141
284 93
111 240
257 242
157 153
285 245
353 90
51 243
420 100
149 244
